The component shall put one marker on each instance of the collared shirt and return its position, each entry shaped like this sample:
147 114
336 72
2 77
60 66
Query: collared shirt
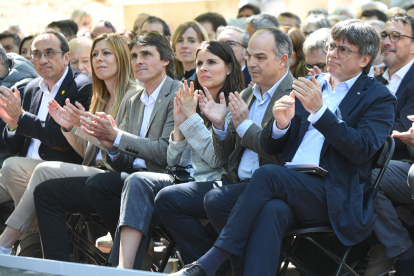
310 148
149 102
250 160
33 151
372 71
396 79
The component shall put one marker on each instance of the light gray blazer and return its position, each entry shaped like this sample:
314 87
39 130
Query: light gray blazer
197 144
154 146
232 147
86 145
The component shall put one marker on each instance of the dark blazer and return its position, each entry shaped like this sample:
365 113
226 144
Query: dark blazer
247 77
405 107
232 147
54 147
367 113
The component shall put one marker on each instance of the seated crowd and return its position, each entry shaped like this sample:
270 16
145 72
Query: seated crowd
91 118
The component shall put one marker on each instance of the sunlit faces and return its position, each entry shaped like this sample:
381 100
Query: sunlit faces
209 29
345 68
264 67
234 39
26 50
9 46
49 69
317 58
396 54
186 47
211 70
245 13
146 63
85 23
80 58
287 21
104 61
309 29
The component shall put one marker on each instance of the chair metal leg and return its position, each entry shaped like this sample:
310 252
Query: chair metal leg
343 260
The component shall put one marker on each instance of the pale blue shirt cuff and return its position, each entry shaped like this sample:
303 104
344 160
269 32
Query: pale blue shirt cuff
221 133
314 118
277 132
243 127
117 139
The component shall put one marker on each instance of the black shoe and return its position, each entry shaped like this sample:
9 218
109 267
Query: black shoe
193 269
404 268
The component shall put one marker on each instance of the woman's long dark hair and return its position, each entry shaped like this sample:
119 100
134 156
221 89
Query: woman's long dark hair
234 81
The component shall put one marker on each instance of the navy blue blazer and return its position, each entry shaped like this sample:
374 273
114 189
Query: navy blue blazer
405 107
246 76
54 146
367 113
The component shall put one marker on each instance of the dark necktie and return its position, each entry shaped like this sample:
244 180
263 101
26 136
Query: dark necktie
383 81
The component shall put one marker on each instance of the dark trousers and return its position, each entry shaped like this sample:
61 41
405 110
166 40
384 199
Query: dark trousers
104 193
286 197
57 197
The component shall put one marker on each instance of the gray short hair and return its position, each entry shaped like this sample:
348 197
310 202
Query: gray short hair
3 56
319 20
360 34
316 40
244 34
379 23
340 10
377 5
283 44
262 20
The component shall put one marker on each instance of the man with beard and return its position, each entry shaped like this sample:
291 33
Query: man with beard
397 50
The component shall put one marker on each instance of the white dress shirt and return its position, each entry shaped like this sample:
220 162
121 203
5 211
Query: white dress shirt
310 148
149 102
250 160
33 151
395 80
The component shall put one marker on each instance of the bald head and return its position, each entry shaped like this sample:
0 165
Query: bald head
80 50
102 27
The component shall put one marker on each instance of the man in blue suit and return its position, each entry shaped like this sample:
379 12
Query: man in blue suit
337 121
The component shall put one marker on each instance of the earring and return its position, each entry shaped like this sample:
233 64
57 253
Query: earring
228 73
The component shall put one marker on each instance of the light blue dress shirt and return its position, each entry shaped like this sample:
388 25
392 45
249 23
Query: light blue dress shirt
250 160
310 148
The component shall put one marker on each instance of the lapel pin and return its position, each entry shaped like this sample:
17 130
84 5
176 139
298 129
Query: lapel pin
358 93
159 100
63 92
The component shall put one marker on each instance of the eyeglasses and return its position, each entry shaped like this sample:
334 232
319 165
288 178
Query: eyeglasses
343 51
49 54
233 43
108 24
394 36
309 66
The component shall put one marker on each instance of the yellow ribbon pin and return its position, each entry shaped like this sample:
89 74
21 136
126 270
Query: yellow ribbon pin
63 92
159 100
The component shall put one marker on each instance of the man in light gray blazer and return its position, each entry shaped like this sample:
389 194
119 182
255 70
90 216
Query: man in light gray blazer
139 144
237 142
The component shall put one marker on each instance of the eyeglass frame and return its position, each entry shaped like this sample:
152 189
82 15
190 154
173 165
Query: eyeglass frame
234 42
311 66
389 36
336 46
42 53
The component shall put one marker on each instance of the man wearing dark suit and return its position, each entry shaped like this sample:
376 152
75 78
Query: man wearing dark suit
397 47
182 205
338 121
31 132
139 144
238 40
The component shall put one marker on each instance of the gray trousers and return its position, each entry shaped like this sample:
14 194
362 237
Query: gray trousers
137 208
393 189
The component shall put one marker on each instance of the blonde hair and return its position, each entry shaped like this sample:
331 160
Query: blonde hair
201 34
124 78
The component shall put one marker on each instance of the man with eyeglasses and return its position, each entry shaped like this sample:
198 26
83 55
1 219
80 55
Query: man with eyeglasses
397 50
237 39
336 121
313 47
31 132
